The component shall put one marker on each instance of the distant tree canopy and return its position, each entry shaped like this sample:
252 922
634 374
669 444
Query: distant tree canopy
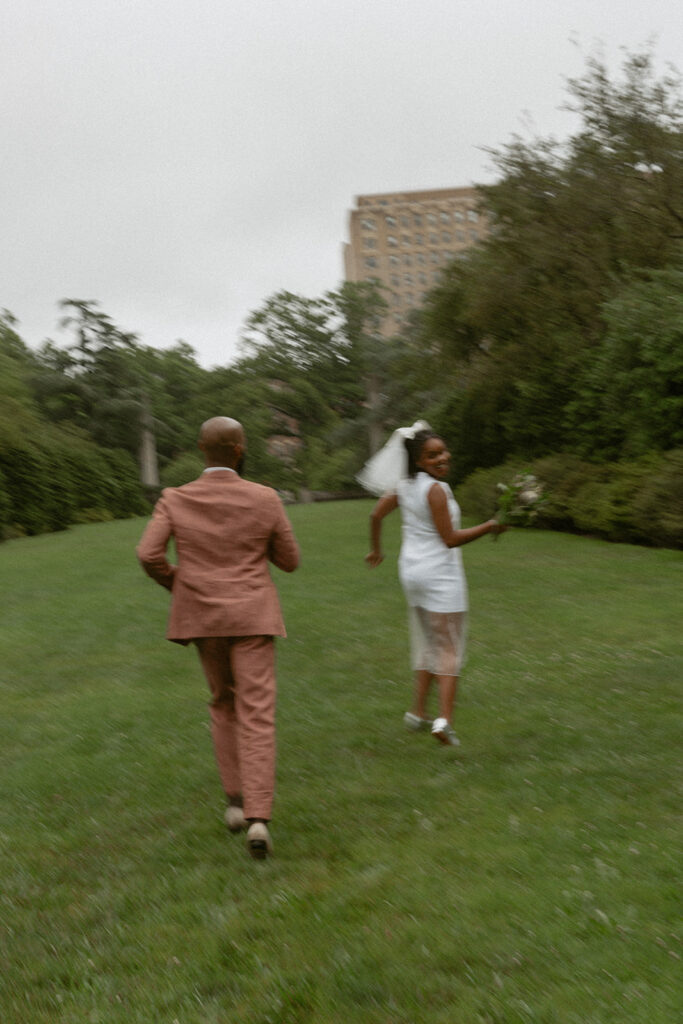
559 337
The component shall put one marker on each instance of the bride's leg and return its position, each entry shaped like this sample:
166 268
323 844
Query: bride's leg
420 646
448 686
447 632
423 682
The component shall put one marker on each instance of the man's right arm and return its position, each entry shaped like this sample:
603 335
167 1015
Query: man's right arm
151 550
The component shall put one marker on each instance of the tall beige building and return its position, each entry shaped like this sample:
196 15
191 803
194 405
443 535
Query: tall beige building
403 240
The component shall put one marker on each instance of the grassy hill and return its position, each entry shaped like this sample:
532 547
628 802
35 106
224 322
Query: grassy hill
528 876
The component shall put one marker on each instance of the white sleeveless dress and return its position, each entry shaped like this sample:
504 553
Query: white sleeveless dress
433 579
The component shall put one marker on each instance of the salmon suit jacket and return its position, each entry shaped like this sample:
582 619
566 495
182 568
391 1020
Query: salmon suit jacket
226 530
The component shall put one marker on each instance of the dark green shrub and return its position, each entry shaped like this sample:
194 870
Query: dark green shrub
657 507
122 491
637 501
93 515
5 506
562 477
26 472
55 480
330 469
182 469
478 494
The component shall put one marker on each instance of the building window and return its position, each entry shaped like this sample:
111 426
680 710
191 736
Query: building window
395 280
405 222
459 215
422 278
407 278
445 217
435 257
369 243
394 261
417 220
368 224
370 262
446 237
405 239
472 215
432 218
390 221
392 240
420 259
396 298
460 235
409 298
433 239
474 234
419 240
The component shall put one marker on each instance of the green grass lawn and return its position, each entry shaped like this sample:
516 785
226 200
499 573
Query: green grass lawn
529 876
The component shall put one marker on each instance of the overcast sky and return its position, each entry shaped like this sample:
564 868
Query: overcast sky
181 160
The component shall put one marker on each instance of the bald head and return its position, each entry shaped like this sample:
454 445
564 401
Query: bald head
222 441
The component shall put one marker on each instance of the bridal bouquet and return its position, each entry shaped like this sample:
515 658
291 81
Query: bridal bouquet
519 502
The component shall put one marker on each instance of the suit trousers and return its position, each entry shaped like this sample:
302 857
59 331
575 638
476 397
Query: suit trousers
240 671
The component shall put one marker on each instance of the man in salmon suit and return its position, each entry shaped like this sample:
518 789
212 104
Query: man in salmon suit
225 531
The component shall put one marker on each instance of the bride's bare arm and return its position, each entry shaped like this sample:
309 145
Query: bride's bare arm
386 504
442 520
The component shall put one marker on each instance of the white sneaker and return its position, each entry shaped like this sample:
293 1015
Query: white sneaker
259 844
234 818
414 722
442 731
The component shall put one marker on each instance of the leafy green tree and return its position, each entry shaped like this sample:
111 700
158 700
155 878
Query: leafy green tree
570 219
93 383
529 309
51 474
360 305
17 364
293 337
172 386
243 391
320 362
632 390
123 394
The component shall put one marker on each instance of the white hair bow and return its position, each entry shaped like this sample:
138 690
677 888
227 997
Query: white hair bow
383 470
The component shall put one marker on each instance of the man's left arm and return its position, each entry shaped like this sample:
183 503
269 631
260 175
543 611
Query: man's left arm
151 550
283 550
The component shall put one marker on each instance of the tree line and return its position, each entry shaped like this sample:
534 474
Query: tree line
556 342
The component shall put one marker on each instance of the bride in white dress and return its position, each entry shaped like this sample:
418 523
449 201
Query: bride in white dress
411 470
